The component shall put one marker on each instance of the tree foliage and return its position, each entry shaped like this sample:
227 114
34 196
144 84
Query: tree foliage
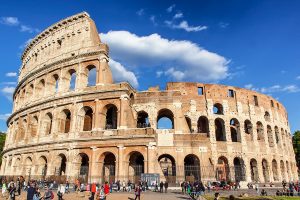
296 145
2 142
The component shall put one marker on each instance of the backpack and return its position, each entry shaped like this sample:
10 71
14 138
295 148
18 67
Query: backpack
36 197
52 195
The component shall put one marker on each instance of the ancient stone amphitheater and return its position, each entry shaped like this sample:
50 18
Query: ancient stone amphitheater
68 124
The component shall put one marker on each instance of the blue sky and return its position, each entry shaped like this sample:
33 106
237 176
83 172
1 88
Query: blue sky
252 44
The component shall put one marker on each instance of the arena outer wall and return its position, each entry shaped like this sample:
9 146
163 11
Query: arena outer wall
108 131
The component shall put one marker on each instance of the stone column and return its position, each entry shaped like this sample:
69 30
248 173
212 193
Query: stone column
104 75
124 104
121 175
151 161
97 115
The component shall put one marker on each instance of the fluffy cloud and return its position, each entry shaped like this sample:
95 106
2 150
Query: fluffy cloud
7 91
169 9
10 21
11 74
274 88
298 77
4 116
120 73
29 29
140 12
180 59
178 15
185 26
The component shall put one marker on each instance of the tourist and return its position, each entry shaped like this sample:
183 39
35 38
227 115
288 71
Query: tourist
257 187
93 190
4 189
263 192
166 186
48 195
137 192
12 191
124 186
59 195
217 196
208 186
129 186
18 186
30 191
106 189
161 187
100 194
67 187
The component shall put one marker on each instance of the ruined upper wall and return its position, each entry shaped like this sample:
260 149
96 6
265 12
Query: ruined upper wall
68 37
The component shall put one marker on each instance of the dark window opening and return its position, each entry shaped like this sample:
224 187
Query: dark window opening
230 93
142 120
200 91
255 100
218 109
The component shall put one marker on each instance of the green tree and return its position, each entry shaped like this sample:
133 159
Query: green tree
296 145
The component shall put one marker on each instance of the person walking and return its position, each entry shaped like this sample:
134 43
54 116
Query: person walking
106 189
12 191
18 186
48 195
4 189
161 187
124 186
166 186
30 191
137 192
93 190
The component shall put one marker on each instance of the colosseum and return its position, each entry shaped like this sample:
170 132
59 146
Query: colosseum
67 123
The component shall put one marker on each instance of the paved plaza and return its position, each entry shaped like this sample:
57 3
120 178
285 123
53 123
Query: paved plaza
149 195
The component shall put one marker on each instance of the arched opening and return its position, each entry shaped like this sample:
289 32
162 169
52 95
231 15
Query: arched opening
62 165
192 168
282 170
270 136
277 135
65 121
40 88
27 168
88 119
239 169
254 170
202 125
235 130
55 83
287 170
109 167
165 119
22 129
218 109
283 137
265 168
47 124
17 166
84 168
29 93
142 120
136 166
168 167
267 116
42 166
131 99
189 123
72 79
223 171
92 75
111 117
220 130
260 131
34 126
275 170
248 127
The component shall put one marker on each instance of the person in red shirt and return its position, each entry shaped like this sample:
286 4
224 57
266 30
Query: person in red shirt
106 188
93 190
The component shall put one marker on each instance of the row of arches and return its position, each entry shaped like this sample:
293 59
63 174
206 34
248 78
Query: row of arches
55 83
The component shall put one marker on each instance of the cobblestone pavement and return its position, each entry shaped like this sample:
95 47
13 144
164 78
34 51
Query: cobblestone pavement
149 195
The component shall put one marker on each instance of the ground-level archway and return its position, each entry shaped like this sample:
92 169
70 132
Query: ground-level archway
265 169
222 171
192 168
109 167
168 167
239 169
254 170
84 168
136 166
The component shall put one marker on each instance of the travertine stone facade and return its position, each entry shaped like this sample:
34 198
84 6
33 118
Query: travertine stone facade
65 125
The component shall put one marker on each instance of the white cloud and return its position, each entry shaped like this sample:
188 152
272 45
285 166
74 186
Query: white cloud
29 29
9 83
188 60
178 15
140 12
4 116
169 9
10 21
223 24
153 19
275 89
159 73
185 26
298 77
11 74
120 73
7 91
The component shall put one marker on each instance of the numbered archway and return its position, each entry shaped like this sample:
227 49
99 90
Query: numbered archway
136 166
222 171
254 170
192 168
109 167
168 167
